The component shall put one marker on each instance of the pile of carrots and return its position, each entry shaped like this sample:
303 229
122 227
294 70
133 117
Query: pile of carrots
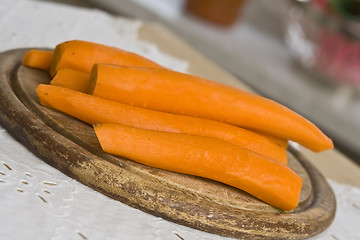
176 121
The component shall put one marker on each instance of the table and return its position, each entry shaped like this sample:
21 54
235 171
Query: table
33 194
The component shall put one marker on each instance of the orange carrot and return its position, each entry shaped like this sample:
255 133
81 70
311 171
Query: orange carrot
70 78
93 110
269 181
81 55
180 93
279 141
36 58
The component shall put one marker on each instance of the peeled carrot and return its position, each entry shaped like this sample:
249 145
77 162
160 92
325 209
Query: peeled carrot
70 78
94 110
279 141
180 93
81 55
36 58
269 181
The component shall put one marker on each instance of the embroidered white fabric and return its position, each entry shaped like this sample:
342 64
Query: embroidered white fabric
39 202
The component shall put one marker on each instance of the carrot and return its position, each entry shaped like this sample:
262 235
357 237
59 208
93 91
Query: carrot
94 110
81 55
70 78
180 93
279 141
269 181
36 58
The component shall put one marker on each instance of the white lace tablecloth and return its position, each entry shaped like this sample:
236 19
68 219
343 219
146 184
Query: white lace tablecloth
39 202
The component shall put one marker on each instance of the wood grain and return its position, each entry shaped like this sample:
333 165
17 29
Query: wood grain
71 147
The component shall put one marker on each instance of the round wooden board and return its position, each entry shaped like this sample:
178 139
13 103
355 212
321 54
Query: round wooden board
71 146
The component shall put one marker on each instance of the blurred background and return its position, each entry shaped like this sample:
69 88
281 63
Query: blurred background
304 54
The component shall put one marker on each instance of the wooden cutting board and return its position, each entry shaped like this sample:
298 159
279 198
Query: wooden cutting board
71 146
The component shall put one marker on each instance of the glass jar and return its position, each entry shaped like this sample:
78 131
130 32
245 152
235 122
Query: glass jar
324 40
